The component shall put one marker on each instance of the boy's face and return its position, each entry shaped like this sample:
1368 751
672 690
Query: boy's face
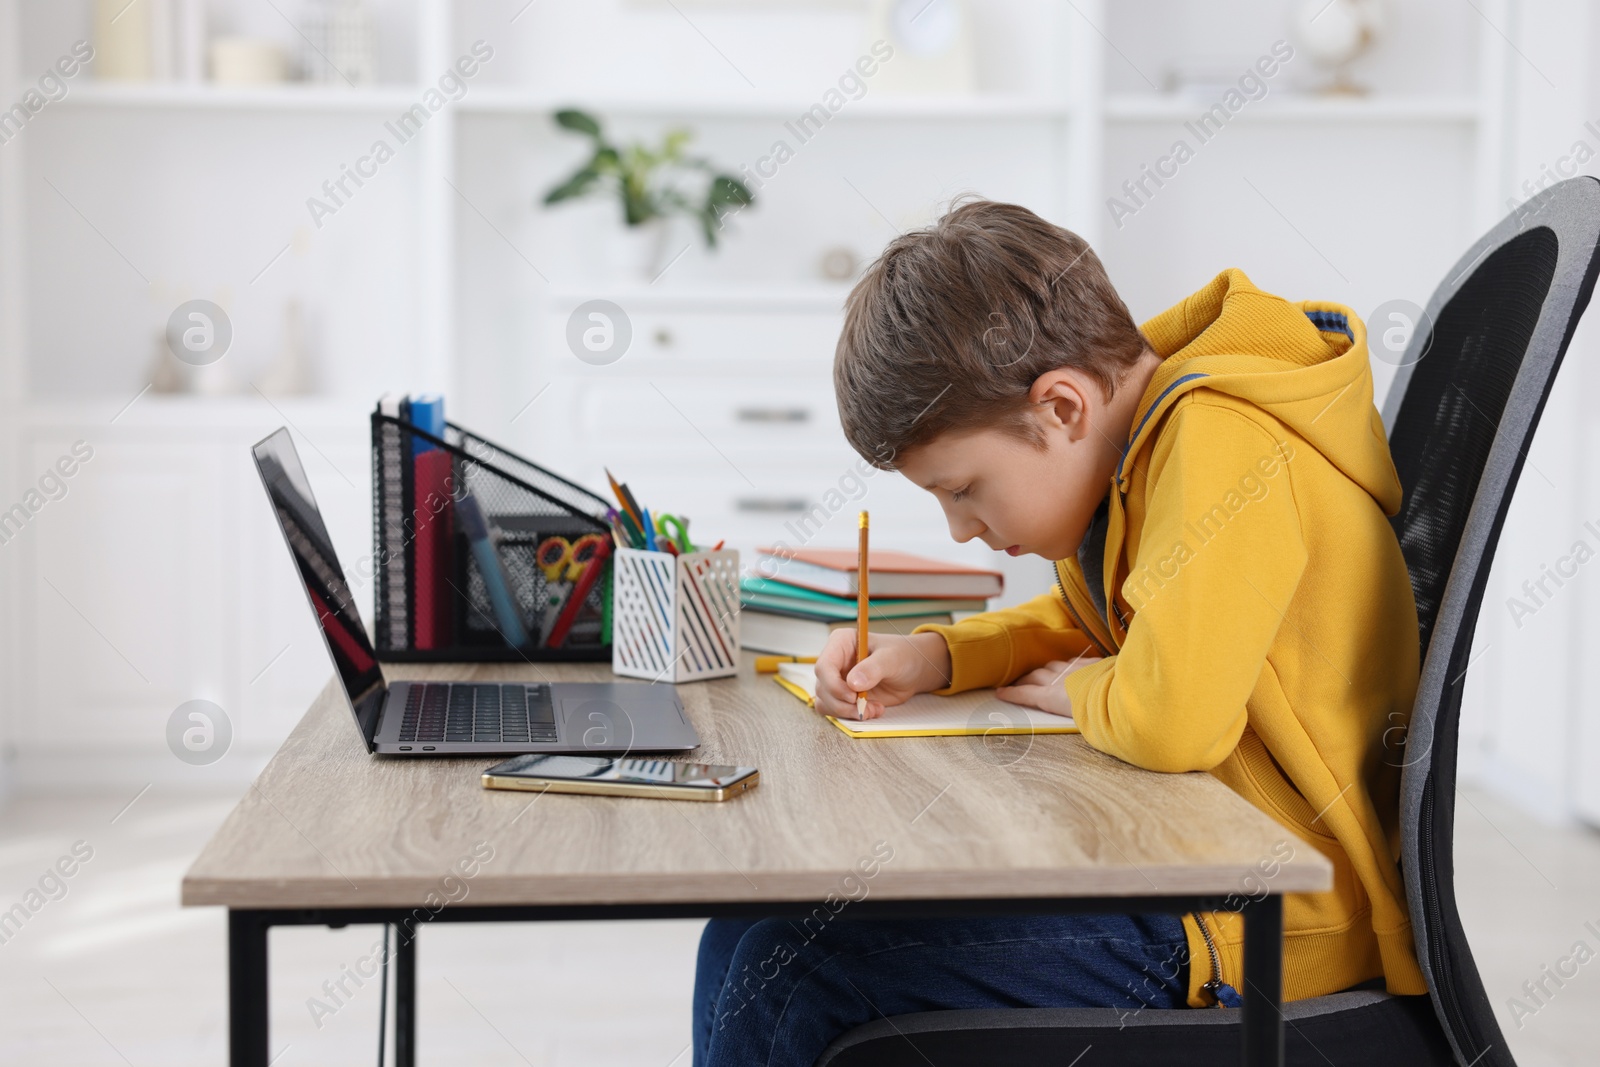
1018 498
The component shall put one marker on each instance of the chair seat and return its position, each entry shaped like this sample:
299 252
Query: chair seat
1358 1029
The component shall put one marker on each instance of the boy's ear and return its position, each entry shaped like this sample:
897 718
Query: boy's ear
1062 397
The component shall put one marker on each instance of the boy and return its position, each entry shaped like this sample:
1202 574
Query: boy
1214 489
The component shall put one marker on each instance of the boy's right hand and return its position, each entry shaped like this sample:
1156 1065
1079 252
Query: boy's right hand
896 668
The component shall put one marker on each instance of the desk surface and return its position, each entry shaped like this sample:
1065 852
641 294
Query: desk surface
326 825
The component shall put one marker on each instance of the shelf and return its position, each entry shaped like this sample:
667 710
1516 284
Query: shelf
493 101
1298 108
794 296
288 97
881 106
169 410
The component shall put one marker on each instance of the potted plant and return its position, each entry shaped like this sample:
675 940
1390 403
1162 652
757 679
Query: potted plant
650 184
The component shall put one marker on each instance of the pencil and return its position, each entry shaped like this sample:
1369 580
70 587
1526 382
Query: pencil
861 611
630 507
769 664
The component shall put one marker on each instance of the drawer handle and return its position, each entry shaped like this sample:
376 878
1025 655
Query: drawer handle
769 415
769 504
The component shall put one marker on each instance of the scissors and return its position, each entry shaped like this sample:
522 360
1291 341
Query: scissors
675 530
563 563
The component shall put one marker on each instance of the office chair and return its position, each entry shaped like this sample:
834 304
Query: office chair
1460 416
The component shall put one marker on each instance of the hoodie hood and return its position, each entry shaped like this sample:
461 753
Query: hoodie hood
1305 363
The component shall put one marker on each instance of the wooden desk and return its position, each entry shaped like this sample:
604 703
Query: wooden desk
330 835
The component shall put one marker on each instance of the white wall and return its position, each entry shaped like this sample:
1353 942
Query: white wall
1531 727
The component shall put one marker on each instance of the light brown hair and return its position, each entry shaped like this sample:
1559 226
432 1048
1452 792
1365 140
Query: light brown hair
951 325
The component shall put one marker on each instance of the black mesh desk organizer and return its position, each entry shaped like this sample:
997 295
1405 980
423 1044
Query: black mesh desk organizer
524 502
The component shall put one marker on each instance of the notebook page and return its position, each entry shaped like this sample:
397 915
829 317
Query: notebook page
974 711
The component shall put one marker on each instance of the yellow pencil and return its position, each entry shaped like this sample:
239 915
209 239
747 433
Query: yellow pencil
861 611
769 664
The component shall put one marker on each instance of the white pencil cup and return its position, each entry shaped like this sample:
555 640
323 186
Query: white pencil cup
675 618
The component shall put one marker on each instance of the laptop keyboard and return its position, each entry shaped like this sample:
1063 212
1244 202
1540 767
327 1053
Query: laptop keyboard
464 711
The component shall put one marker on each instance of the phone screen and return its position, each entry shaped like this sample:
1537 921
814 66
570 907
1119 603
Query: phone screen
631 771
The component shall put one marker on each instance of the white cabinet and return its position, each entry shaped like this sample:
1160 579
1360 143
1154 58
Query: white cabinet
722 408
130 606
158 577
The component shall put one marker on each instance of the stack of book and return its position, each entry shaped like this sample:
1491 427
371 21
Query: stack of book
812 592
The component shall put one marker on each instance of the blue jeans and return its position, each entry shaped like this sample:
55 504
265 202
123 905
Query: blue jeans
775 992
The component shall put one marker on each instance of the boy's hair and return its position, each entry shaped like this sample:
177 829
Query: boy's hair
951 325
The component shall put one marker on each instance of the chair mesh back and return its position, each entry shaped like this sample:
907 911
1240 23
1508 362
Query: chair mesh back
1450 416
1461 416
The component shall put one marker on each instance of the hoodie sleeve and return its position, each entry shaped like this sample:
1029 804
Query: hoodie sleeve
1220 555
994 647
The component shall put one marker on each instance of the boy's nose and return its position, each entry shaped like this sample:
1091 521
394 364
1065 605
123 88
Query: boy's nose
963 530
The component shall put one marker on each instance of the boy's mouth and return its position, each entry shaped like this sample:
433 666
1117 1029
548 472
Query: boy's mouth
1014 550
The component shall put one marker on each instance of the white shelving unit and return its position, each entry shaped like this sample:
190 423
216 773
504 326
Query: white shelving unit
441 274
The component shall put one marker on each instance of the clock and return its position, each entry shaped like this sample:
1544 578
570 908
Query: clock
932 42
925 28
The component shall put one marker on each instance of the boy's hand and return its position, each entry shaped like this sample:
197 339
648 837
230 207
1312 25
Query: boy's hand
896 668
1045 687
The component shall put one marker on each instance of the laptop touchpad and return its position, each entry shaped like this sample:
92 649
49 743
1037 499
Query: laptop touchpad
598 723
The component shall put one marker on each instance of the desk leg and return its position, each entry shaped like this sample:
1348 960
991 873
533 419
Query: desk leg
1263 983
405 996
247 989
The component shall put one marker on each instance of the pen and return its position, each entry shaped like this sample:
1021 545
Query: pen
861 611
649 530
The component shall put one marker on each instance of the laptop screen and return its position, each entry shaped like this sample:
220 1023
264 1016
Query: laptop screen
289 493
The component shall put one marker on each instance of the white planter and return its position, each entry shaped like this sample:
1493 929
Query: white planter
639 253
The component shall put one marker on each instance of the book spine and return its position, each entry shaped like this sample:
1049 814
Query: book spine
433 513
391 537
427 415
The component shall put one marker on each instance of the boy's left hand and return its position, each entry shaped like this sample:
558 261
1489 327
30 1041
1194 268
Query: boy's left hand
1045 687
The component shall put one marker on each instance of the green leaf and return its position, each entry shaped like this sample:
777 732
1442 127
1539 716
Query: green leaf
672 145
577 185
578 122
727 190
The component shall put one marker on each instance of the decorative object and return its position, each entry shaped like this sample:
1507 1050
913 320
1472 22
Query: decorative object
170 375
122 41
839 263
247 61
646 181
932 41
340 43
1334 33
289 373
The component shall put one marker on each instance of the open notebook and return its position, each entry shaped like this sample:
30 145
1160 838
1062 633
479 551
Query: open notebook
977 711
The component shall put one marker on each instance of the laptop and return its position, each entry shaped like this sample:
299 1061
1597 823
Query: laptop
453 718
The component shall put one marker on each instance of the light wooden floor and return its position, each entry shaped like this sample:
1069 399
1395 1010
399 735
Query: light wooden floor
116 972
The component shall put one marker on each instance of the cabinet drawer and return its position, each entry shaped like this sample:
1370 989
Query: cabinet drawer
764 499
666 341
730 414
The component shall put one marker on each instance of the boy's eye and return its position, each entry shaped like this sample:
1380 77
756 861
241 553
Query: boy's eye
960 494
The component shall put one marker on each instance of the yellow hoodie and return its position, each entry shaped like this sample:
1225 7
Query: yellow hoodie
1263 626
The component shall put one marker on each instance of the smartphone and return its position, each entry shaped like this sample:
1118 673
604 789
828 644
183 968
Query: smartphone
663 779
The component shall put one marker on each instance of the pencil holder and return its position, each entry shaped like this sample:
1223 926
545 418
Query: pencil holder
675 618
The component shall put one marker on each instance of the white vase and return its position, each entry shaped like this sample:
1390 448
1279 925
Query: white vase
639 253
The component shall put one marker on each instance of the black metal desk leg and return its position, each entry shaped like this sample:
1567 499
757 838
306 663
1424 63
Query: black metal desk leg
1263 982
405 996
247 989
